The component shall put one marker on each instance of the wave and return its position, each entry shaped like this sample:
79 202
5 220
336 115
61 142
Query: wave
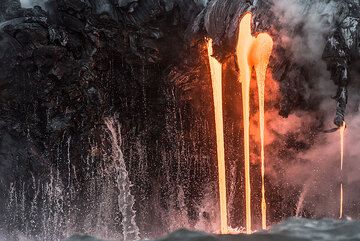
294 229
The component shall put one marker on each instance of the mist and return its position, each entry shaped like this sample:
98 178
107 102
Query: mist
316 169
32 3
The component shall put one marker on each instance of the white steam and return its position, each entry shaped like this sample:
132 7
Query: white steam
32 3
306 23
305 26
201 2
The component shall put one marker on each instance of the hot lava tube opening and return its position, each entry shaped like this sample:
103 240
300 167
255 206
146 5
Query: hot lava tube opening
253 53
216 77
342 138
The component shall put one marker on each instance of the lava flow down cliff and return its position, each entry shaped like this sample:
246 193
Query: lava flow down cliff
131 119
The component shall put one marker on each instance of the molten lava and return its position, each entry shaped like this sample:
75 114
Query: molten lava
216 76
253 52
341 200
342 134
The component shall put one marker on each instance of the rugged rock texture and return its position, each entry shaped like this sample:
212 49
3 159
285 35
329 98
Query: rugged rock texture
66 68
63 71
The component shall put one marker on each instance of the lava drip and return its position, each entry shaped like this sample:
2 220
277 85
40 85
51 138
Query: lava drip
253 52
216 76
342 134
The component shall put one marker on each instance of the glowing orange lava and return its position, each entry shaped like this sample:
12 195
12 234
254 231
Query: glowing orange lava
216 76
341 201
342 134
253 52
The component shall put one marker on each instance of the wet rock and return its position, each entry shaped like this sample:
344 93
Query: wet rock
64 70
220 21
60 123
9 9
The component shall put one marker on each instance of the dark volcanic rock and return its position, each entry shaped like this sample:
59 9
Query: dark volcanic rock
66 68
62 71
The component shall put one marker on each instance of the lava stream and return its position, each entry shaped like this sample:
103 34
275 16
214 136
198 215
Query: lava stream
253 52
342 133
216 76
341 200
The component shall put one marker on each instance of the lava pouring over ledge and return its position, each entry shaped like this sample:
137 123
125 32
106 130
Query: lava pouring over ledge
216 77
342 134
253 52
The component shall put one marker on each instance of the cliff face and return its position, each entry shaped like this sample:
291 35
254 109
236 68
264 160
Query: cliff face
328 28
314 58
67 69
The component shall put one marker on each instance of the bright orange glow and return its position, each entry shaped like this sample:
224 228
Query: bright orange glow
342 134
341 201
253 52
216 76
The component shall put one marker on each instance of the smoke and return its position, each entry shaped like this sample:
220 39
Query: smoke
202 3
315 165
304 25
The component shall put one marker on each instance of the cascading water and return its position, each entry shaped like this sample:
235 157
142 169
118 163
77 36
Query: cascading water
78 174
56 207
125 198
50 216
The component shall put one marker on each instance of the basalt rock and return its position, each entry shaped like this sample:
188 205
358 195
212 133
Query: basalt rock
65 68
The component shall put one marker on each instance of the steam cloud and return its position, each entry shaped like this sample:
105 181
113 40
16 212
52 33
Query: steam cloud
32 3
305 25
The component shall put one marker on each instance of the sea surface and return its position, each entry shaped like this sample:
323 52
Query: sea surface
294 229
